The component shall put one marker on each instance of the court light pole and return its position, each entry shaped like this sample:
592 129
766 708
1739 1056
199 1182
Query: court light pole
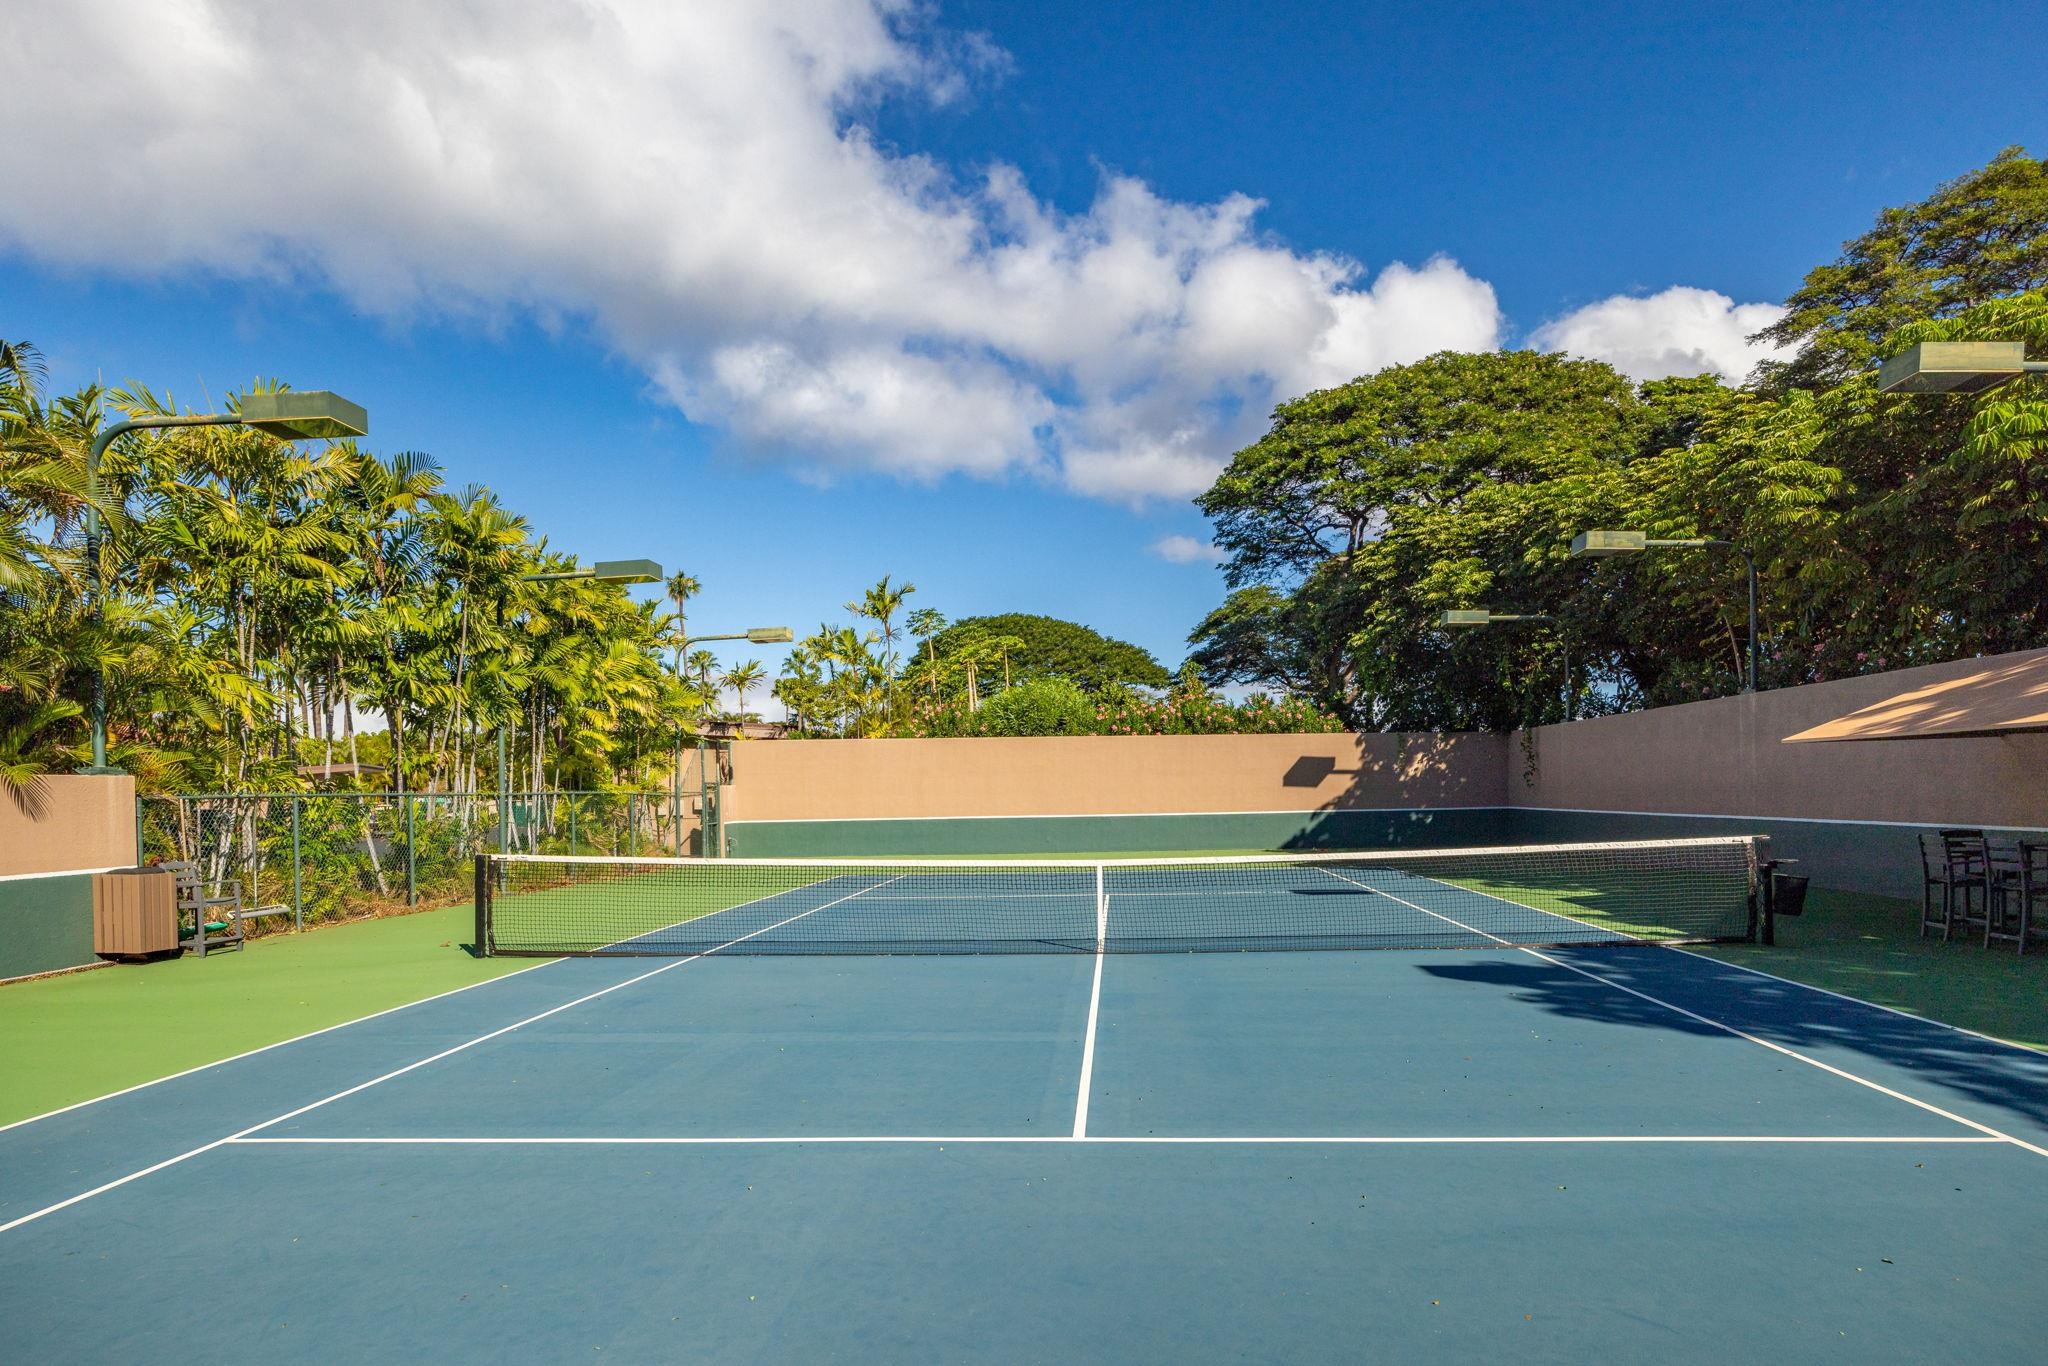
759 635
1594 545
287 415
1466 619
604 571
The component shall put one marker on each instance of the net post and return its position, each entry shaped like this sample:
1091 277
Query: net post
1762 924
1101 912
483 905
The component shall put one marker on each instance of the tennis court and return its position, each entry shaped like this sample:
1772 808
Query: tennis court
1015 1112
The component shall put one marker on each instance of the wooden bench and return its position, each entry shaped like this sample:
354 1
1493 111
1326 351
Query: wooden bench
216 920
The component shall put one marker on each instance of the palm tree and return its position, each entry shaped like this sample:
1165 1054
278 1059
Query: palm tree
702 665
925 624
380 495
801 682
680 588
740 678
480 549
880 605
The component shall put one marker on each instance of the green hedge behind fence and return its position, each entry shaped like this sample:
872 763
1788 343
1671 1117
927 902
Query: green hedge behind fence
332 856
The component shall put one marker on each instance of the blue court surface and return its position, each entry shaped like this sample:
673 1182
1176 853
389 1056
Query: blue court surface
1558 1154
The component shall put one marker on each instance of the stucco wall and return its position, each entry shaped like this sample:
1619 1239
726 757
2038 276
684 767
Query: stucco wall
1111 775
1850 812
62 822
1726 758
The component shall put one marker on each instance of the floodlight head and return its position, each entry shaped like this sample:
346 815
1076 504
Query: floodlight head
626 571
1952 367
770 635
1595 545
300 416
1475 618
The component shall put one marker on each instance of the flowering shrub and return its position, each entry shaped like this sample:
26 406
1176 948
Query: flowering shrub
1054 706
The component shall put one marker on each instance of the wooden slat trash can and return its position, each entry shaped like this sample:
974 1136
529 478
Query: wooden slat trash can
134 912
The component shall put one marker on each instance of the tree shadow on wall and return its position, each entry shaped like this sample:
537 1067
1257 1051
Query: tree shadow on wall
31 796
1405 792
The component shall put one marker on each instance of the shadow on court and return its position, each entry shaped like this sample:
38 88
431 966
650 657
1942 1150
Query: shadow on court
1929 1061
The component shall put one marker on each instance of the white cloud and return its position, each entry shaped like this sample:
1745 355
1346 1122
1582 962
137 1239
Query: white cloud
696 181
1682 331
1187 550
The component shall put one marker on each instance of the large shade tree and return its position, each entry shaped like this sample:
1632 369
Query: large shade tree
1888 530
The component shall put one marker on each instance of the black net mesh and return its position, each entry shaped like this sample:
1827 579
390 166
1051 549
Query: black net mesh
1638 892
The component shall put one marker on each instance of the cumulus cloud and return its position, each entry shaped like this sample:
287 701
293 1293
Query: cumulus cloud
1681 331
696 182
1187 550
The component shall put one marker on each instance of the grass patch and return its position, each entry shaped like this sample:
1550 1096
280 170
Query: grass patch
1869 947
74 1037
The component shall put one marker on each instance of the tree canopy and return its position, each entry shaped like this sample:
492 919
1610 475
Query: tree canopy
1887 530
976 678
261 596
1050 648
1980 237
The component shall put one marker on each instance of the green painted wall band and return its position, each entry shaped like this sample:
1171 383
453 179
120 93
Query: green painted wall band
45 924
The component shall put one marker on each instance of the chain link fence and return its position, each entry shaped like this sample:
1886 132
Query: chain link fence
339 855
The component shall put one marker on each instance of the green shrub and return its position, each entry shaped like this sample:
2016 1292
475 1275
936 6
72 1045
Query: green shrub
1038 706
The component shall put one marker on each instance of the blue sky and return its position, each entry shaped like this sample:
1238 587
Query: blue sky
796 296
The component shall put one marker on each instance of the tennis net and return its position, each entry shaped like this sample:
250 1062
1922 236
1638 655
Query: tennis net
1636 892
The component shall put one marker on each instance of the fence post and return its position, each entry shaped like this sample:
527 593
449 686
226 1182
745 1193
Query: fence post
632 825
139 848
412 887
504 815
572 822
298 906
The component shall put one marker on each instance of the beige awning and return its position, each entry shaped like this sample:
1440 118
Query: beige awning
2003 699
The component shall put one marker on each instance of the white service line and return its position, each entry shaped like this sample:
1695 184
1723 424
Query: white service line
1376 1140
242 1134
1722 1025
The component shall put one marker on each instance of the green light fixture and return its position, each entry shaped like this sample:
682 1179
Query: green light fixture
1968 367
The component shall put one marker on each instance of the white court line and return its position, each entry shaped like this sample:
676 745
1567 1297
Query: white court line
1718 1024
1372 1140
1094 1009
401 1071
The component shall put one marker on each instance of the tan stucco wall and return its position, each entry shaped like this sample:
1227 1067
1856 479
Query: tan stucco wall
70 821
1111 775
1726 757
